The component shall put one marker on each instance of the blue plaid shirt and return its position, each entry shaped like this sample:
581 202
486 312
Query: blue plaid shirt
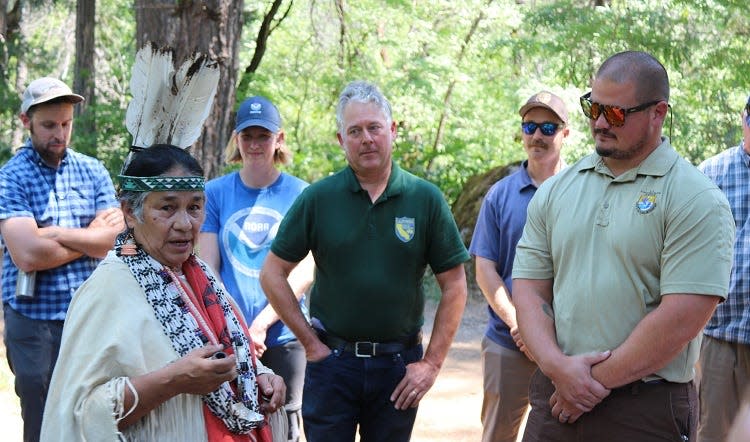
730 170
69 196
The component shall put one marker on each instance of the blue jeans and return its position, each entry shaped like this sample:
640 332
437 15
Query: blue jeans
343 391
32 347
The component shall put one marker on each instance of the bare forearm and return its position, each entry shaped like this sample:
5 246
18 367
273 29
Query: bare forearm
274 280
494 290
656 340
195 373
153 389
42 254
533 303
91 241
448 314
300 279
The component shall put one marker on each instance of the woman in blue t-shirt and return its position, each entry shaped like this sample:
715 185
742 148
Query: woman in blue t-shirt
243 212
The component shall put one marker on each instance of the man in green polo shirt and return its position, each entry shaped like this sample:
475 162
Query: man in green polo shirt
372 228
623 259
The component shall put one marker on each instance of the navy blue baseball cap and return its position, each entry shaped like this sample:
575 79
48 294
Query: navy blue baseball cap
258 111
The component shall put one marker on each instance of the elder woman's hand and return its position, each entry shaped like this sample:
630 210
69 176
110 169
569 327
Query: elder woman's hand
198 373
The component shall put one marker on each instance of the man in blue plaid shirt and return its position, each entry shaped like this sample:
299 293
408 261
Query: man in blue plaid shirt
58 216
725 351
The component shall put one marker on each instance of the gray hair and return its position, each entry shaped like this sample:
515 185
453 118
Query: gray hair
361 92
133 200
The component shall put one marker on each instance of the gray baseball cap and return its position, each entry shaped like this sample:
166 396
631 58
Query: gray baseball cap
45 89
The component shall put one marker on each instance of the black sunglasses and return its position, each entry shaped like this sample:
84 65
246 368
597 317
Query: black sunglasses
615 115
547 128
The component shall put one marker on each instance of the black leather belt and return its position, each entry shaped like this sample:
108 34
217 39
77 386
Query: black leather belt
368 349
635 386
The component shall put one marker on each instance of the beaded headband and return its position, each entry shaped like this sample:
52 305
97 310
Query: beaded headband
160 183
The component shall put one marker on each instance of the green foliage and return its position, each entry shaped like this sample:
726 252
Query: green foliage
455 72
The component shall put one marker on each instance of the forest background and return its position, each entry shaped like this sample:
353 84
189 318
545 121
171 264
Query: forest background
456 72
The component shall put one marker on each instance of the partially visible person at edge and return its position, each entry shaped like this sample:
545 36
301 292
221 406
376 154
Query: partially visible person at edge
243 212
58 217
506 364
725 352
739 431
372 229
622 261
139 357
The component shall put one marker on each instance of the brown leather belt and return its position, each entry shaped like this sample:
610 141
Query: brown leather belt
368 349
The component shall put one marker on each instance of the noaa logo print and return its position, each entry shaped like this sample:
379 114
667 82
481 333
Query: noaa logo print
255 107
404 229
248 233
646 203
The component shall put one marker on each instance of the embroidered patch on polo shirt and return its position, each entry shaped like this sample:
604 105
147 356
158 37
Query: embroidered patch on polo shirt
404 228
646 203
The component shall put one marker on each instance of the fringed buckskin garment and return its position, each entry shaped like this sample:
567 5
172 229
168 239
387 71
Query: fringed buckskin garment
120 325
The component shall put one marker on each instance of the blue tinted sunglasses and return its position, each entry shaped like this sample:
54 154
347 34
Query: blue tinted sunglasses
547 128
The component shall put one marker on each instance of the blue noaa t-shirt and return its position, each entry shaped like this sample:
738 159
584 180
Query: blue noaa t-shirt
245 221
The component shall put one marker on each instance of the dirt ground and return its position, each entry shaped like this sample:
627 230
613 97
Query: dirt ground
449 412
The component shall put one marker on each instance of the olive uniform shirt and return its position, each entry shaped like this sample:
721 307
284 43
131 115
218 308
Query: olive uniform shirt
615 245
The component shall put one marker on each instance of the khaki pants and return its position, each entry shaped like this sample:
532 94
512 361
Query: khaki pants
506 391
725 375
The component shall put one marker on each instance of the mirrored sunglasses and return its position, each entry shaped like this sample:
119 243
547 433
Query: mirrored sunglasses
615 115
547 128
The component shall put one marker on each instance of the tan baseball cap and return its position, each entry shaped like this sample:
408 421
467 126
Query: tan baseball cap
45 89
547 100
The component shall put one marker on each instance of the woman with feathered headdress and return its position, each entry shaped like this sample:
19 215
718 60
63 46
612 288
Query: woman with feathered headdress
153 348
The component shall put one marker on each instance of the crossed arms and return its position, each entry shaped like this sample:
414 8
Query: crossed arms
40 248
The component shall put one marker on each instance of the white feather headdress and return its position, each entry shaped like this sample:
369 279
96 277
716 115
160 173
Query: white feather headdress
168 106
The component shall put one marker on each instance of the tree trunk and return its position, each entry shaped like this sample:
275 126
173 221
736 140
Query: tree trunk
85 73
212 27
14 43
449 92
267 26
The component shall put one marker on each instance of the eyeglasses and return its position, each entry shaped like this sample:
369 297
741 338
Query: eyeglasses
615 115
547 128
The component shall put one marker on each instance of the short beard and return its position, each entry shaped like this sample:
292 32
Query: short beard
632 152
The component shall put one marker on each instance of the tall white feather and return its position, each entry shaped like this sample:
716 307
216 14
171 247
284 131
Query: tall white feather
167 106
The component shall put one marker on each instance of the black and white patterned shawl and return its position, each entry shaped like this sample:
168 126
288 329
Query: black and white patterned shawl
239 411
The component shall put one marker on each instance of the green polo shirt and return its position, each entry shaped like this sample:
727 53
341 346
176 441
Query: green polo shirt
370 257
615 245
